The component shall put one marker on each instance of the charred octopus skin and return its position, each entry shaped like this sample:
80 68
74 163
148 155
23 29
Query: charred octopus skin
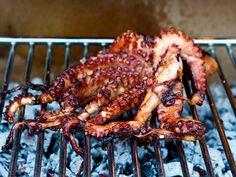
136 71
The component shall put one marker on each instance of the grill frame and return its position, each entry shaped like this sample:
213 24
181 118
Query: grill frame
85 43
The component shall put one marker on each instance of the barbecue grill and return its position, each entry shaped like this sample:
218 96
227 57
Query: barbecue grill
31 43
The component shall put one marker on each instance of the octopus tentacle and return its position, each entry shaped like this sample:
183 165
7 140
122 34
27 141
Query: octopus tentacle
17 125
152 48
125 102
138 70
169 115
74 145
86 68
135 44
16 103
150 102
171 68
104 97
70 123
190 52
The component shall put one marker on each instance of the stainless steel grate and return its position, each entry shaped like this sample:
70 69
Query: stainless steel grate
86 43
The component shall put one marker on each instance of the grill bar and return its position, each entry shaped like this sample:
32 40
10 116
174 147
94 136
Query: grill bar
62 158
18 131
87 156
40 141
135 164
97 41
7 73
110 149
203 146
224 80
87 145
160 166
157 150
111 159
182 158
221 132
231 54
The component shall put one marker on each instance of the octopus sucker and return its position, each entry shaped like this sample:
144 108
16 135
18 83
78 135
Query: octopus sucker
137 71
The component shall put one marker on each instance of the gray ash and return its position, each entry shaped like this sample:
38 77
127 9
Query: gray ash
123 158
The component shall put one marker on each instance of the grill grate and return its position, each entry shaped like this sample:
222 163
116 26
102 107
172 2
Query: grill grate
86 43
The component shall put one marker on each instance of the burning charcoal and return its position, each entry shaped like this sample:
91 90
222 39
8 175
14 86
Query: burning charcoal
172 151
217 162
229 121
3 170
123 157
53 145
148 169
174 168
75 163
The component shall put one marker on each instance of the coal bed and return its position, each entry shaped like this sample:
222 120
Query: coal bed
123 157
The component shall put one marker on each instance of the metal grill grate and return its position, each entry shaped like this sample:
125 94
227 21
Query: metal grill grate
86 43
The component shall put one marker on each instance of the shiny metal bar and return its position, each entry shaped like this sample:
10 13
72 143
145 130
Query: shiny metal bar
231 54
7 73
160 166
62 157
202 142
182 158
157 150
221 132
135 161
85 51
87 156
98 41
111 159
18 131
103 42
224 80
87 141
110 149
40 141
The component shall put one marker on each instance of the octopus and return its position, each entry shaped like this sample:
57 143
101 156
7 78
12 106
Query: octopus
136 71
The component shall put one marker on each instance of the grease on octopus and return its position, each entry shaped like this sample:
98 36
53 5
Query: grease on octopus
137 71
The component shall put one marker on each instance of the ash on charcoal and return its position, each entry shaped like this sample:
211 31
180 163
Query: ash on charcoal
123 157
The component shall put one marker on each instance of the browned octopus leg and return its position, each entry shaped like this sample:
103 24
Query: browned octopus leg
138 125
73 98
152 48
169 115
86 68
128 100
167 78
86 86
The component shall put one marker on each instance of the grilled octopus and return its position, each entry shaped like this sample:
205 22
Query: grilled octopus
136 71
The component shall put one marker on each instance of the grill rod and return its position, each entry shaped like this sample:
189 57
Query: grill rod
40 141
202 142
223 79
62 158
17 133
8 70
221 132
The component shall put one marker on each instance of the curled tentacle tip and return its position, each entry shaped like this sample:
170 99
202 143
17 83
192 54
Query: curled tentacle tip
186 128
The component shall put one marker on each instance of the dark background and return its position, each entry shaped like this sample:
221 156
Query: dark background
106 18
